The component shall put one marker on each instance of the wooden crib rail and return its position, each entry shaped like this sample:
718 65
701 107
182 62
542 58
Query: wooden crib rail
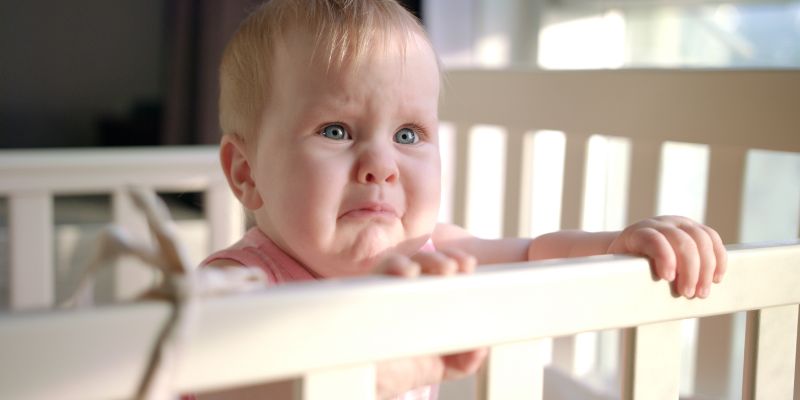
731 114
751 109
330 332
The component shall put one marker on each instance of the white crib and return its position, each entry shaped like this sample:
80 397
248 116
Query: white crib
101 353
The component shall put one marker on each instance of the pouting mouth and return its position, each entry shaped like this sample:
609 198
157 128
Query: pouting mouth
371 208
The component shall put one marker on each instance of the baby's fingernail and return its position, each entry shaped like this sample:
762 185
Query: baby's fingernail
704 292
717 278
670 276
688 292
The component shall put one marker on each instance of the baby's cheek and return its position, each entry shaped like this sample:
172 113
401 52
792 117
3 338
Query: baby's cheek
422 214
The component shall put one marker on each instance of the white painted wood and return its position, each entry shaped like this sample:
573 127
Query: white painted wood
351 382
574 182
87 171
31 250
652 361
513 371
277 334
686 106
770 353
103 171
462 144
717 368
572 199
516 200
564 353
131 276
718 362
224 214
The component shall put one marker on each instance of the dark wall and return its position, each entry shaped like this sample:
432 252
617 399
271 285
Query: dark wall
114 73
69 65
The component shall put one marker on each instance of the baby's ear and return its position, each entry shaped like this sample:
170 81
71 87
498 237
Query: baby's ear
236 167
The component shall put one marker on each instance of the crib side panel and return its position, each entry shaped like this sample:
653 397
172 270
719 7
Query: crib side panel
753 109
730 111
32 178
256 336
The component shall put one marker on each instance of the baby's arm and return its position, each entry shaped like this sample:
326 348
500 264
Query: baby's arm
681 250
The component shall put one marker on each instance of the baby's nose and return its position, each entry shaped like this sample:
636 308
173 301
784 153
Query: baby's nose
377 167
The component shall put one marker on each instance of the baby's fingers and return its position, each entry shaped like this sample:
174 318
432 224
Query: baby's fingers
459 365
720 253
707 261
466 262
687 260
654 245
397 265
436 263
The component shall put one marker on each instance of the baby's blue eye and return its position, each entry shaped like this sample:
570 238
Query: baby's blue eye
335 132
406 136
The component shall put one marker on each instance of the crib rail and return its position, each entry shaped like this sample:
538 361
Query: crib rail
753 109
276 334
31 178
732 114
730 111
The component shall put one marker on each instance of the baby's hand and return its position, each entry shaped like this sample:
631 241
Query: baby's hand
682 251
398 376
442 262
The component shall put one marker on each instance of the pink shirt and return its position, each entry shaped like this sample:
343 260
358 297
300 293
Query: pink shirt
255 249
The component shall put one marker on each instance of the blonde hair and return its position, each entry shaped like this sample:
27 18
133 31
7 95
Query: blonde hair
344 31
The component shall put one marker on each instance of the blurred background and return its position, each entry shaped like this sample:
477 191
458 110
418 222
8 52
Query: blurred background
143 72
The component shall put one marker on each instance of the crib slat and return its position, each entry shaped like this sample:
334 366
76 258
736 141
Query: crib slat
652 361
355 382
716 341
131 276
575 154
574 173
513 371
31 250
224 215
770 353
517 190
462 142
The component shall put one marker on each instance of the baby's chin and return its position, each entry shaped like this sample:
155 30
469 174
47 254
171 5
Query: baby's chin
368 247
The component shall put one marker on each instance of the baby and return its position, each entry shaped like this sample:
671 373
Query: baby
330 138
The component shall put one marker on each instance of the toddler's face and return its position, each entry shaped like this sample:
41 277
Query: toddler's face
347 160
